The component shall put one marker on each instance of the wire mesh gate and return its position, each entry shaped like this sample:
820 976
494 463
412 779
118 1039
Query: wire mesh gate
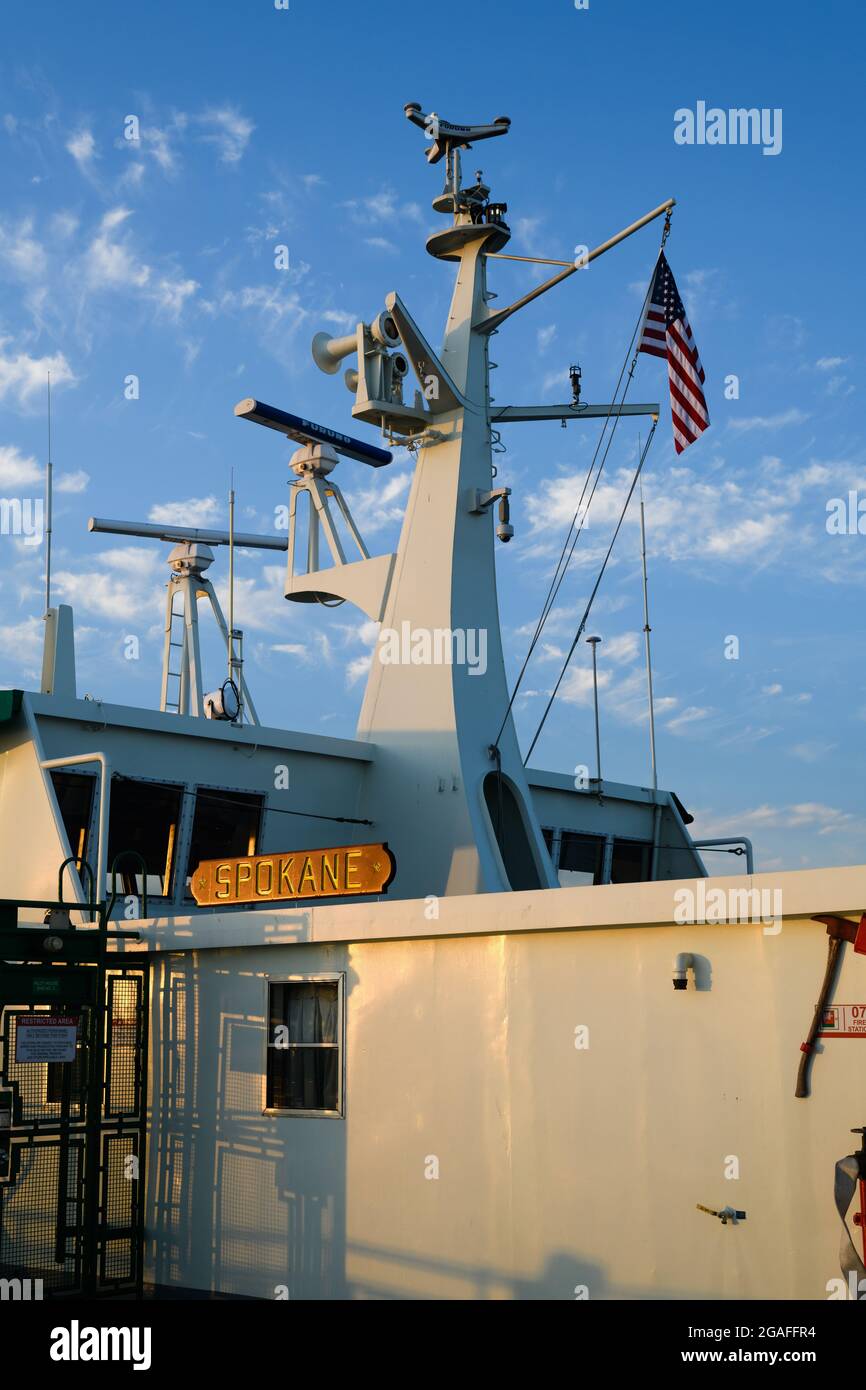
72 1133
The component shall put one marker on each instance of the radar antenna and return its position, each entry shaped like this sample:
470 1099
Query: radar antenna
191 556
449 139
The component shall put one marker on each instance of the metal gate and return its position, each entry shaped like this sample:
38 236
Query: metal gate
72 1132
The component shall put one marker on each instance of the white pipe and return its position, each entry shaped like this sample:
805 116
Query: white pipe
104 807
731 840
683 963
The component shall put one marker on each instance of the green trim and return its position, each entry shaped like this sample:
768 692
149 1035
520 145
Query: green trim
10 704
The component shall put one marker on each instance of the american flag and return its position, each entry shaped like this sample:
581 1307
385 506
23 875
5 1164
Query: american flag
666 333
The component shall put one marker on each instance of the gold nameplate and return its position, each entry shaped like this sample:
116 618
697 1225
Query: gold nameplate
347 871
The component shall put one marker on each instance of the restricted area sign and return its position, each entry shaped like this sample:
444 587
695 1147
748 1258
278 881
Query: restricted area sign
45 1038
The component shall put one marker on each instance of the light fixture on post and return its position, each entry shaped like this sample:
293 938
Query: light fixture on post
593 642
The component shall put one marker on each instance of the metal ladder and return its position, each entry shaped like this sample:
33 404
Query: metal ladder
174 705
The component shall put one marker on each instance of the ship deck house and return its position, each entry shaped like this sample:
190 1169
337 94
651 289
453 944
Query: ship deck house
425 1096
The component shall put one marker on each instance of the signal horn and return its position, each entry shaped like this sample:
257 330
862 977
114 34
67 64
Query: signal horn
328 353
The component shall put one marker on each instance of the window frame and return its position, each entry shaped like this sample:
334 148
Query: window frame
645 846
169 895
91 834
315 978
184 893
587 837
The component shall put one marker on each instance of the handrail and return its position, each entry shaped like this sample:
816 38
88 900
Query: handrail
732 840
104 802
83 864
127 854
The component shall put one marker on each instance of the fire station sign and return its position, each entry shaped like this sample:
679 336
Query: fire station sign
843 1021
345 872
45 1038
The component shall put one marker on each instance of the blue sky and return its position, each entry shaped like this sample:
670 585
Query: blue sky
262 127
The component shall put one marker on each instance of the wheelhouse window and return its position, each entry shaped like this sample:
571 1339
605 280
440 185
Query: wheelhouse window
225 825
74 792
304 1046
581 859
144 817
630 862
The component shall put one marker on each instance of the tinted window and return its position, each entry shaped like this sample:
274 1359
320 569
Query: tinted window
225 825
144 817
74 792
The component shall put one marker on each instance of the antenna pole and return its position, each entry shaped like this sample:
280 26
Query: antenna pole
49 494
646 631
231 644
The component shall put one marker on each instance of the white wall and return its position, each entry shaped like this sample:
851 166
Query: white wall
558 1167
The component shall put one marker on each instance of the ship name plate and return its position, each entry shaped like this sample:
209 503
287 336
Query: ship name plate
347 871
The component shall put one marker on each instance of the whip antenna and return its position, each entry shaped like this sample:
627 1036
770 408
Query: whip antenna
49 494
647 630
234 655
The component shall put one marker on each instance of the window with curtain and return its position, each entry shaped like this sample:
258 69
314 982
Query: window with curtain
304 1054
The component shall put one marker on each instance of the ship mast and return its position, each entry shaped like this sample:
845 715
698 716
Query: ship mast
448 767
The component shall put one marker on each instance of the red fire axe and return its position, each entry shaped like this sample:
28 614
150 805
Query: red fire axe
839 930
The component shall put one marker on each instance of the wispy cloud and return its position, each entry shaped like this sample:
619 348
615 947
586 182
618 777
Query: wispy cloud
228 130
381 503
72 482
17 469
768 422
20 252
128 583
195 511
112 263
708 513
813 815
691 715
22 377
381 207
812 750
82 147
22 642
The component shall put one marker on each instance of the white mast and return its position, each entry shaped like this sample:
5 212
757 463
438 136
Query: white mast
436 704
